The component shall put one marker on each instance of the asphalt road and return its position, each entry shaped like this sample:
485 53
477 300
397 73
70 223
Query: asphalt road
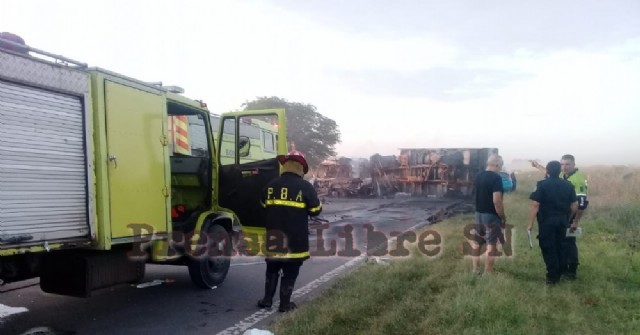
356 226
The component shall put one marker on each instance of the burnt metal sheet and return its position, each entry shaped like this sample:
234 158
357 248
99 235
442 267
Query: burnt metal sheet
433 172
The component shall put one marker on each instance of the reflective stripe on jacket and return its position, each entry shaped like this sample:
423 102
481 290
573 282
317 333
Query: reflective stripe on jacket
289 200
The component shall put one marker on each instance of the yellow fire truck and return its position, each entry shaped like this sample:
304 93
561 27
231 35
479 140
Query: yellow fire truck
101 173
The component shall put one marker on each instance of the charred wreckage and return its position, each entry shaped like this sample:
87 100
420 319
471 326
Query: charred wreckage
441 172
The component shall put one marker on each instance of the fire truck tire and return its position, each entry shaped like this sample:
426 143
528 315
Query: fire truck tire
209 267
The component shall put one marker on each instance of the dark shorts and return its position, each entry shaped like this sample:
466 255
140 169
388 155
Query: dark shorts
488 228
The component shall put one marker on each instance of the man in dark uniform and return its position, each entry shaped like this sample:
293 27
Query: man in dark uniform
288 200
579 182
553 203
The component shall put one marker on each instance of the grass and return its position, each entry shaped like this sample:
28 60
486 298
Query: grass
438 295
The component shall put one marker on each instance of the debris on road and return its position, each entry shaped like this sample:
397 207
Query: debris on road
151 283
8 310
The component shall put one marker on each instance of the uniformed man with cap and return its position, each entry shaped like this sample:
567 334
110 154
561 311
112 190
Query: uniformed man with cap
288 200
553 203
579 182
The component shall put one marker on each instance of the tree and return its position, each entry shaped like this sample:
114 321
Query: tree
312 133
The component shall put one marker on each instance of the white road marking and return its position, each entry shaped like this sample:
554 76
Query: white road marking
247 263
8 310
262 314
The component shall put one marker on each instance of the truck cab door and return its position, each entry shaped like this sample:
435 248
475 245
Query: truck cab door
247 146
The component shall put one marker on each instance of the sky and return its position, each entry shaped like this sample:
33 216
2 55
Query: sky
535 79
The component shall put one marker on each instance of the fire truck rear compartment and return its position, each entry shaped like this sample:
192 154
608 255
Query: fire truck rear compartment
43 145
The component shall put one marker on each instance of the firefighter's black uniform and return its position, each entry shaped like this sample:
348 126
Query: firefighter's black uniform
555 196
288 200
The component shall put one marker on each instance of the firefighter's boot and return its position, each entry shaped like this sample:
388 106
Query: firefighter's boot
270 285
286 290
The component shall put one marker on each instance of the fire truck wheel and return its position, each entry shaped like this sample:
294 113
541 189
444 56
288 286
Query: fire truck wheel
209 265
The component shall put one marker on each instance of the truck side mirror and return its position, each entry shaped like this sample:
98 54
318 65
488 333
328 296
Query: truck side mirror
244 146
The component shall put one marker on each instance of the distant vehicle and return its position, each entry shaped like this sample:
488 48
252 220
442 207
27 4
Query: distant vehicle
509 181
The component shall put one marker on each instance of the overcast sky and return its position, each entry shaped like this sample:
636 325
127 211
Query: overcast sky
536 79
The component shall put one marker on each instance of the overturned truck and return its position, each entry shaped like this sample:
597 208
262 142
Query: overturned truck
428 172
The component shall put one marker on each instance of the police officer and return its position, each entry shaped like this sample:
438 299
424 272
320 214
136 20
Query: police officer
579 182
288 200
553 203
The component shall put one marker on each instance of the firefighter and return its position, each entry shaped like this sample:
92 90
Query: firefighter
553 203
288 200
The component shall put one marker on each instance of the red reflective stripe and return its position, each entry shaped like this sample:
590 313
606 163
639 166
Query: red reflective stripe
182 131
182 144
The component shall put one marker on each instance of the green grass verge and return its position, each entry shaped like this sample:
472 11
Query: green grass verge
438 295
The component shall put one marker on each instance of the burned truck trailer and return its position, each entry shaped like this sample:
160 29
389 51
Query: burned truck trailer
429 172
342 177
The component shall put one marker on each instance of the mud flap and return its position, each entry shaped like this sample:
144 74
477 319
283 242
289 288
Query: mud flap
78 273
